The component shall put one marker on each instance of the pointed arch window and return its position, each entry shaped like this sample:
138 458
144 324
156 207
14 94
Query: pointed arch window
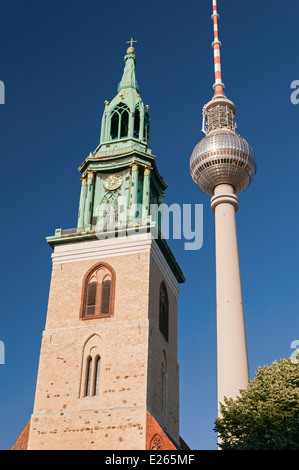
124 128
88 376
106 295
119 122
97 375
91 297
93 371
91 367
147 136
164 311
114 126
98 292
110 211
136 123
156 443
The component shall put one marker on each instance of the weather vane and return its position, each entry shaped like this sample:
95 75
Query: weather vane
131 42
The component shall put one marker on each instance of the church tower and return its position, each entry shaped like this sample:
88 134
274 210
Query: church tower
108 374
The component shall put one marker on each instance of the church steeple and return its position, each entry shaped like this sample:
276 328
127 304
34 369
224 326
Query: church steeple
109 350
129 76
126 118
120 175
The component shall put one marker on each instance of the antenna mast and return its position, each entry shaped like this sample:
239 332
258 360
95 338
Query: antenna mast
218 86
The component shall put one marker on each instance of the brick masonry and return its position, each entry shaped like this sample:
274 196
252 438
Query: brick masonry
22 441
156 437
132 351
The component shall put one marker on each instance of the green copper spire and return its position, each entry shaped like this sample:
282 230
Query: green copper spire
126 120
129 76
121 187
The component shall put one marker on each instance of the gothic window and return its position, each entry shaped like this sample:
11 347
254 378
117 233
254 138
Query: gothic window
91 297
105 298
156 443
109 212
88 376
119 122
136 123
97 375
91 367
146 127
164 311
124 128
98 292
114 126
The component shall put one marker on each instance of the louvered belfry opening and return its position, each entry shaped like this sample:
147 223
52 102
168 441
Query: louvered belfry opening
136 123
91 298
119 122
106 295
98 292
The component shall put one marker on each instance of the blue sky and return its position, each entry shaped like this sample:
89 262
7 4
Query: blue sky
60 60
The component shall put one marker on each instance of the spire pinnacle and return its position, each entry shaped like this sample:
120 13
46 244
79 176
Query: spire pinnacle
218 86
126 120
129 76
131 49
131 42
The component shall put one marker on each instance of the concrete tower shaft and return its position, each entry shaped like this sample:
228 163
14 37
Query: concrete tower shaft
232 358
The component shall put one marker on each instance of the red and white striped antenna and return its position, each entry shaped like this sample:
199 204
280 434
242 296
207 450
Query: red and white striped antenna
218 86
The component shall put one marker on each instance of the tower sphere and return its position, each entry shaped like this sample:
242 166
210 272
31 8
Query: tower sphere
222 157
131 50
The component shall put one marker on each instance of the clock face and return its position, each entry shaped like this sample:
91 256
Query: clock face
113 182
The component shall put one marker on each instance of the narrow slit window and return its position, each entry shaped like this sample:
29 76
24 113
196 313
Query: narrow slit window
97 376
136 123
88 376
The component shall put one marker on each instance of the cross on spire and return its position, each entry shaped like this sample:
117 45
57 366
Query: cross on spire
131 42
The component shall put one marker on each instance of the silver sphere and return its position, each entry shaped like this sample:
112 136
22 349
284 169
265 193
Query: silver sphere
222 158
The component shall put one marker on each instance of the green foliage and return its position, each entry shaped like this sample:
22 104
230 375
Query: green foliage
266 414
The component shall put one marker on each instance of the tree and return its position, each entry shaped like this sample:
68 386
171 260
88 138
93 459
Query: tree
266 414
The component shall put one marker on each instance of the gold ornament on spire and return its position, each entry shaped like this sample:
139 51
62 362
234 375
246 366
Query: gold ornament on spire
131 49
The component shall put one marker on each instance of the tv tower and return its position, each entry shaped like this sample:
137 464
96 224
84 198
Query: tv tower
223 165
